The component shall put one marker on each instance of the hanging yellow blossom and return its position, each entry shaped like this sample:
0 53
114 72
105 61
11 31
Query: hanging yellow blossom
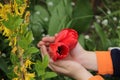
7 32
1 28
28 76
28 64
4 11
23 69
19 9
14 49
14 8
27 15
13 41
16 70
22 10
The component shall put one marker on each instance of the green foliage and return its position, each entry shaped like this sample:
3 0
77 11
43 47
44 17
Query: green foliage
59 16
14 58
112 4
13 20
102 35
41 69
49 17
82 15
3 65
55 15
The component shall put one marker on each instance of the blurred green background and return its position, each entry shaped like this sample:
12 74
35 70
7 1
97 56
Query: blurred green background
97 22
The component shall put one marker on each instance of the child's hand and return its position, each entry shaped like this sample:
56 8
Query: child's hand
67 67
78 54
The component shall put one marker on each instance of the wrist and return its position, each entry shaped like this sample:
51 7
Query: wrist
85 75
88 60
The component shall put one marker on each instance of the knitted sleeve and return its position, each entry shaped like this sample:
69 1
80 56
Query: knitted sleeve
108 63
104 62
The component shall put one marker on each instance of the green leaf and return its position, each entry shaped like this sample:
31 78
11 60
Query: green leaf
82 15
19 1
11 74
39 68
14 58
90 44
37 32
118 33
52 4
22 42
60 17
50 75
41 14
3 65
29 37
32 50
102 35
45 61
82 40
13 22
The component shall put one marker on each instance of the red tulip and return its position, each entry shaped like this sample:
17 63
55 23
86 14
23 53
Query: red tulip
68 36
64 42
58 50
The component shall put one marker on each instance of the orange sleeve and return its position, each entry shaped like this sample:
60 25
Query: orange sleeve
104 62
97 77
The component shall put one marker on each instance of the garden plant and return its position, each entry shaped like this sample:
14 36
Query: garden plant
23 23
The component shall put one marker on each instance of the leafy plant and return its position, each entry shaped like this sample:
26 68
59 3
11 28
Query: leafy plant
19 63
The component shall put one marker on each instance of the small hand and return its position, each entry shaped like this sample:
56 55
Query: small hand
78 54
67 67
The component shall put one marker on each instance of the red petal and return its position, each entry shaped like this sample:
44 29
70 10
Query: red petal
68 36
58 50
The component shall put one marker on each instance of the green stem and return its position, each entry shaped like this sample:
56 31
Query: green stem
20 58
43 78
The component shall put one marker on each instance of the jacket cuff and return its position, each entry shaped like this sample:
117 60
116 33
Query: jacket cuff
97 77
115 54
104 61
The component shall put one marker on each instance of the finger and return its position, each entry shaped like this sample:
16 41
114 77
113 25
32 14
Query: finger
59 63
50 61
57 69
48 39
50 67
44 51
40 43
56 35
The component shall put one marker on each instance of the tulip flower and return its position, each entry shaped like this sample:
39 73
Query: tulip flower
63 44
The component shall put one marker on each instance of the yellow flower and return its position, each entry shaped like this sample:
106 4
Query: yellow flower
21 51
27 15
23 69
13 41
15 7
19 9
22 10
15 79
1 28
28 76
4 10
16 70
1 6
28 64
7 32
14 49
